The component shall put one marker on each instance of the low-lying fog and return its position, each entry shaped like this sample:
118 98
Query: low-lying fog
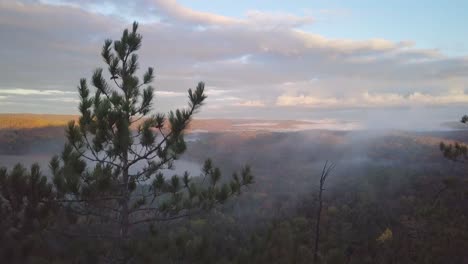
42 154
180 166
265 146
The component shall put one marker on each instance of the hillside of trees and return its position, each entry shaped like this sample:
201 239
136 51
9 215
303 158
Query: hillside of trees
392 198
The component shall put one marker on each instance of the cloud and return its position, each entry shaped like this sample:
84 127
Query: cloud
310 101
19 91
374 100
171 12
216 92
169 94
174 11
275 20
264 58
74 100
227 98
250 103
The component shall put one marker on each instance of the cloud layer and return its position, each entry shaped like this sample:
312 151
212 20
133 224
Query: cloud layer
262 60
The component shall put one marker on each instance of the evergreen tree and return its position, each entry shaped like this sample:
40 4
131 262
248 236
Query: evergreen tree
110 171
26 210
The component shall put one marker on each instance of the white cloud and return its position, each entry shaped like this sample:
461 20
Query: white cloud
169 94
275 20
374 100
216 92
228 98
174 10
19 91
74 100
310 101
250 103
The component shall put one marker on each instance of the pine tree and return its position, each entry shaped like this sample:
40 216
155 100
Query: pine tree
26 210
110 168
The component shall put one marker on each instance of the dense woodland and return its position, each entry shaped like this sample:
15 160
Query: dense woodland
391 197
402 201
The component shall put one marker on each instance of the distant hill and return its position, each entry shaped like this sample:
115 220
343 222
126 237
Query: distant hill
27 137
24 121
33 121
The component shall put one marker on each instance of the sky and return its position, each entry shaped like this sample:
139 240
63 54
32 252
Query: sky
383 63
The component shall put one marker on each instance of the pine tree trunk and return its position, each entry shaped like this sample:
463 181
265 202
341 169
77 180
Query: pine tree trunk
124 212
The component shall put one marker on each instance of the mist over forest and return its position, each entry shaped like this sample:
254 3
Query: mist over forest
380 166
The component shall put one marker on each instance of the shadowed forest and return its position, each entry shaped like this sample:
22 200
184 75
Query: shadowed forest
121 184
